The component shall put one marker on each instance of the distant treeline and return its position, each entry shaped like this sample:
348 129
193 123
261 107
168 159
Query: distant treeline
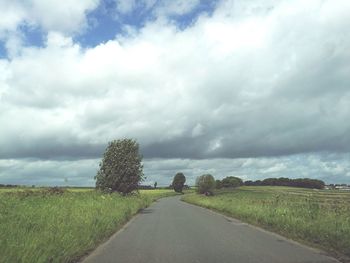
9 185
149 187
232 181
145 187
282 181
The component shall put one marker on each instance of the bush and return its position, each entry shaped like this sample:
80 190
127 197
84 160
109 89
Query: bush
231 181
205 184
120 168
178 182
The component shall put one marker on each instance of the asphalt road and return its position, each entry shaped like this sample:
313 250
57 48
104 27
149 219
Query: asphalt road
171 231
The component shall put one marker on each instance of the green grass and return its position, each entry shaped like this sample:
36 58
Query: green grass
40 227
318 217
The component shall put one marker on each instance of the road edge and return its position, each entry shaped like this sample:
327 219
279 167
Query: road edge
340 258
99 248
107 240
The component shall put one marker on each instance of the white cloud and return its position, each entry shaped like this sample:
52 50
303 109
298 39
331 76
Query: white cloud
176 7
125 6
253 79
12 14
49 15
63 16
161 9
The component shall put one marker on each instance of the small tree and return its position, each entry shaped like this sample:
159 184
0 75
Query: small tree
178 182
205 184
120 168
155 185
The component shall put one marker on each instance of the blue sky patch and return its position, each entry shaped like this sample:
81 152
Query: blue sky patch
186 20
34 36
105 22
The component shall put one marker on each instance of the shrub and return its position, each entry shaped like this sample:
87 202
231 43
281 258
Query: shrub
120 168
178 182
205 184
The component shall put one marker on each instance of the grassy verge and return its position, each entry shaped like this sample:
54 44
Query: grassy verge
321 218
39 226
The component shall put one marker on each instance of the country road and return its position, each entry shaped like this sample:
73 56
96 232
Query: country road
171 231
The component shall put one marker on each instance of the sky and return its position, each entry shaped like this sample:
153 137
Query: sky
253 89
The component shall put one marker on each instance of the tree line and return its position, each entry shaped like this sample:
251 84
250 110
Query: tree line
9 185
283 181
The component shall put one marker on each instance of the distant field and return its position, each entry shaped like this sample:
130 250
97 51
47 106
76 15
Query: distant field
319 217
36 226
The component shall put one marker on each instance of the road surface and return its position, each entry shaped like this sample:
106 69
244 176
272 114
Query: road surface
171 231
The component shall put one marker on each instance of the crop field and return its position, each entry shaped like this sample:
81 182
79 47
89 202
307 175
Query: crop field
46 226
317 217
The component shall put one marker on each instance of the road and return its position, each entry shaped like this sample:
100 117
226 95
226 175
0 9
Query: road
171 231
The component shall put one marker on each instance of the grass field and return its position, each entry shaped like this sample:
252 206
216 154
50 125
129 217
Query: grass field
37 226
319 217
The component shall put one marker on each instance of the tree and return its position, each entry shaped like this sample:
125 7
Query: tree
155 185
231 181
218 184
178 182
121 167
205 184
249 183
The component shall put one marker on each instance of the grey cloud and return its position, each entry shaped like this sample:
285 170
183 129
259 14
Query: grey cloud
50 172
47 149
332 168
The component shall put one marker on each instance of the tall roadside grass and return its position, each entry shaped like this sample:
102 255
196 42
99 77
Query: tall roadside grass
319 217
44 226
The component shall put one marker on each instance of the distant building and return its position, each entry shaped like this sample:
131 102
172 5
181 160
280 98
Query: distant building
342 187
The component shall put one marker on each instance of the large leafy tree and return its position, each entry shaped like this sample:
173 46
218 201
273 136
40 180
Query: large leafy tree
121 167
179 182
205 184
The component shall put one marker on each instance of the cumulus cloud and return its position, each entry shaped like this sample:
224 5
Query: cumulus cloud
253 79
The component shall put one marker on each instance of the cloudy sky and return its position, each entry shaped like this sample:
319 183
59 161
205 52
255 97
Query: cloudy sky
254 89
